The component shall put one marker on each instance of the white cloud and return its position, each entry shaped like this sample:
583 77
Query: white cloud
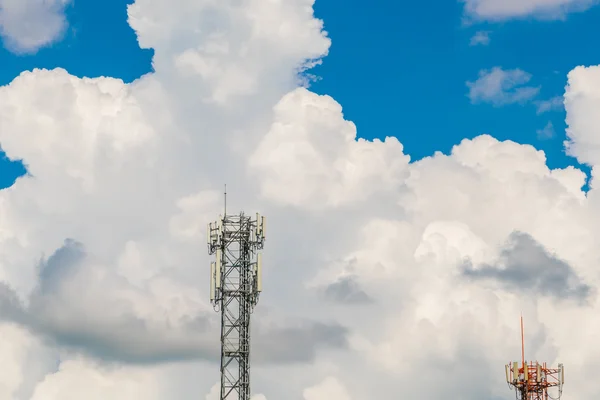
311 157
76 379
330 388
507 9
552 104
546 132
28 25
26 359
582 99
480 38
501 87
132 172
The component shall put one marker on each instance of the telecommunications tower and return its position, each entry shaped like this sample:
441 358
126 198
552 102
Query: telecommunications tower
235 285
531 381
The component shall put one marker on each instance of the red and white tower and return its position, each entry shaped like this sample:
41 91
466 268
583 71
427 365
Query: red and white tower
531 380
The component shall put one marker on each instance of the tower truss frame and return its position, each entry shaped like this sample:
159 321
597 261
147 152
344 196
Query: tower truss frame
235 287
532 381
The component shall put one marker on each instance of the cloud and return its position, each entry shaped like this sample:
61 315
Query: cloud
28 25
329 388
480 38
77 378
104 271
547 132
497 10
62 309
525 265
298 343
311 156
552 104
346 290
22 372
500 87
581 99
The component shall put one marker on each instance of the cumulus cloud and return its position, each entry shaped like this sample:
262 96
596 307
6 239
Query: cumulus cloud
581 98
27 360
501 87
507 9
105 276
28 25
62 300
525 265
311 156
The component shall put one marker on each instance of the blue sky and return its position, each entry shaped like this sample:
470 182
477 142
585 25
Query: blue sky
398 68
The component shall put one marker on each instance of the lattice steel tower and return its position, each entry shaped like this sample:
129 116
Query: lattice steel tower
531 381
235 286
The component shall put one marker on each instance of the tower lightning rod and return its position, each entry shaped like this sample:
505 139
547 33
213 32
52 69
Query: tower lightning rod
522 343
235 286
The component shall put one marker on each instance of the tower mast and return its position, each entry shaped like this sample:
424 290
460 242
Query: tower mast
531 381
235 286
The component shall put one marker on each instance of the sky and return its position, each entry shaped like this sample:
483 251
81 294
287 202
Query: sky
428 170
392 63
384 66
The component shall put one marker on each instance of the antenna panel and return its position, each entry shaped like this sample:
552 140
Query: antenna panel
259 272
561 370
